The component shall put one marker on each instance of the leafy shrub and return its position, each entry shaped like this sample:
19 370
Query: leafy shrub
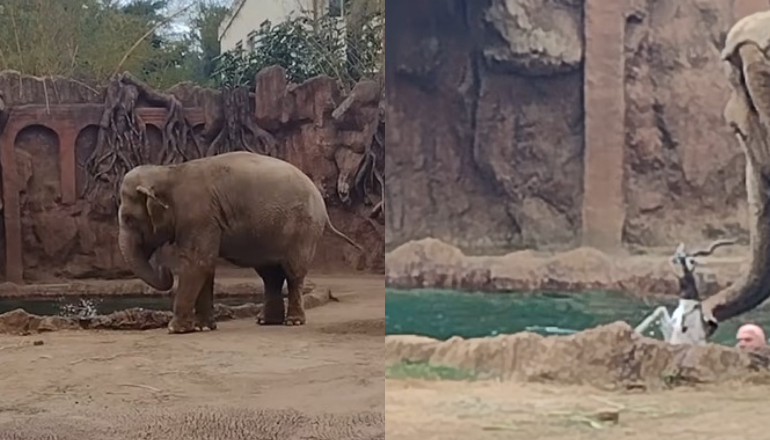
308 47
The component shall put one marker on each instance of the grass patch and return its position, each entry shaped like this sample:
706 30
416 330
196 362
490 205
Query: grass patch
423 370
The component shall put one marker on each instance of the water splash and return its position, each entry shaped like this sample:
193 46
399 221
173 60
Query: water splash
83 309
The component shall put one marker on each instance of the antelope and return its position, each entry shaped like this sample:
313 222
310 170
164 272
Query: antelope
686 324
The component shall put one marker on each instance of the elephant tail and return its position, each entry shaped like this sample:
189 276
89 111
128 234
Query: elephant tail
340 234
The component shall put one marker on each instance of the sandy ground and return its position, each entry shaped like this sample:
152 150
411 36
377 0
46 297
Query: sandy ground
322 380
449 410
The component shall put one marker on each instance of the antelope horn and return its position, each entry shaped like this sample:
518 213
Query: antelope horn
673 266
713 246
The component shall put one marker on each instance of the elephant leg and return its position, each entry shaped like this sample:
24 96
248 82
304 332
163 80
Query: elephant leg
191 283
296 271
273 311
204 305
197 255
296 311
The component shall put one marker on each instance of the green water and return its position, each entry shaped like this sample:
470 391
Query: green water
442 314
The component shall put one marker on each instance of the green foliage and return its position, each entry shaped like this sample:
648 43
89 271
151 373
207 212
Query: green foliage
345 49
66 37
424 370
205 37
87 39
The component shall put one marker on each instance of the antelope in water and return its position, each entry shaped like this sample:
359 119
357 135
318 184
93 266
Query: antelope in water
686 325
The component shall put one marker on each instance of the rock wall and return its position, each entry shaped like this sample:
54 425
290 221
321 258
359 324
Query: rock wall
78 240
480 174
430 263
611 357
684 169
501 163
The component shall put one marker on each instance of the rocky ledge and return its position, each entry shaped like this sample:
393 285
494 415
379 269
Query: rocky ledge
433 263
612 356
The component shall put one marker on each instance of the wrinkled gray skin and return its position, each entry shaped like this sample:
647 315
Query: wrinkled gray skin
252 210
747 61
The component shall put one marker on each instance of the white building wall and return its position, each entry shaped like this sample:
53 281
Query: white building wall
246 16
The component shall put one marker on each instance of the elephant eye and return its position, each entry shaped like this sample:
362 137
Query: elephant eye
128 219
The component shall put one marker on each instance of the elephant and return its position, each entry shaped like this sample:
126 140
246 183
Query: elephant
250 209
746 58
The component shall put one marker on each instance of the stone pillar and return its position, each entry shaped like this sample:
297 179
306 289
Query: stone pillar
67 138
14 266
604 105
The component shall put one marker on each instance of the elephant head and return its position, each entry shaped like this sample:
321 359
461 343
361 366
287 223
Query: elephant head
747 59
146 222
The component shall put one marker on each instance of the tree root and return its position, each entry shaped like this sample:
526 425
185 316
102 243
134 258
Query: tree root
239 126
369 175
368 181
122 140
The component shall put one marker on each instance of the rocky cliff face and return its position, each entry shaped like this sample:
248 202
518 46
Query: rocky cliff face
481 174
486 147
684 168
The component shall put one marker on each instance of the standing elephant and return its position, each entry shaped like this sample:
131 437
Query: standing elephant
250 209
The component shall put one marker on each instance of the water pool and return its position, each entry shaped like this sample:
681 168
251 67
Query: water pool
102 305
442 314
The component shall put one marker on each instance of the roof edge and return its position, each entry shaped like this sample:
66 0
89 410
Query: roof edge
224 26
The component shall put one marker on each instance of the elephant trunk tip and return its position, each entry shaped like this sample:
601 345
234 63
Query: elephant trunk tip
165 279
157 276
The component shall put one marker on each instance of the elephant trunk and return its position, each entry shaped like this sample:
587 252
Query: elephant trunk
159 277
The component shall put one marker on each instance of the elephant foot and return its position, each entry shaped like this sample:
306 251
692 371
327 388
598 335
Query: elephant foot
203 322
200 326
266 320
272 313
178 327
294 319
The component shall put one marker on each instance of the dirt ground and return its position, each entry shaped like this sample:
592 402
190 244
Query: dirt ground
323 380
491 410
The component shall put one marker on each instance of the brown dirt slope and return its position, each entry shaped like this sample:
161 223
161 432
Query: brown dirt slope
441 410
323 380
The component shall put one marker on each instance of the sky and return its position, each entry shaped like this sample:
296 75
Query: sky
179 24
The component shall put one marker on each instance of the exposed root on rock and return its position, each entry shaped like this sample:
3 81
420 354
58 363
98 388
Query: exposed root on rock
122 143
368 181
122 140
239 130
369 176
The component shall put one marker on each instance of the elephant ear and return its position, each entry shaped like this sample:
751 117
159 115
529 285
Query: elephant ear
156 208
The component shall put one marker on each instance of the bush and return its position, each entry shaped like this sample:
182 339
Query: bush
308 47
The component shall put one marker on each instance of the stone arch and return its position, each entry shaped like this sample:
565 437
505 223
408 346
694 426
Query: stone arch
37 161
198 130
85 144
